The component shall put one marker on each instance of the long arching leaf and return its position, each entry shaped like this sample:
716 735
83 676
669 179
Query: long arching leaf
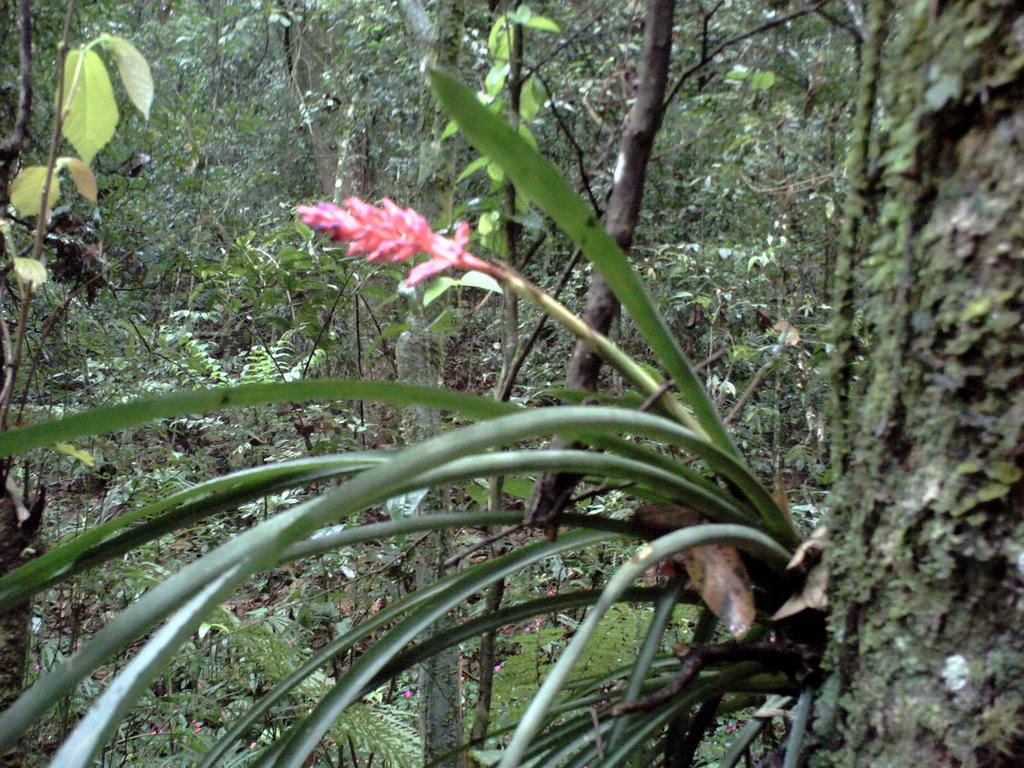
537 177
110 418
110 539
260 547
747 539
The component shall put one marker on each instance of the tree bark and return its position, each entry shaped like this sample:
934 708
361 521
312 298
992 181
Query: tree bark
420 361
551 492
927 560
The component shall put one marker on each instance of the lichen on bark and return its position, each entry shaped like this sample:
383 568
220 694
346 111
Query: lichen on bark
928 587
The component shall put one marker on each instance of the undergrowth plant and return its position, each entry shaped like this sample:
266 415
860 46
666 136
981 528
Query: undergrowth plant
612 694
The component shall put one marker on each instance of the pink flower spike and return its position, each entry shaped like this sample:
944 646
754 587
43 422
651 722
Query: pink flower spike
391 233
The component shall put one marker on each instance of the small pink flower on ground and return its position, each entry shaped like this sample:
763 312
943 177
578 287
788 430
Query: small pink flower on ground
497 667
391 233
408 694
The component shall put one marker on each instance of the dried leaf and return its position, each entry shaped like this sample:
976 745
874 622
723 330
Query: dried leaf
658 519
721 578
807 563
788 334
813 594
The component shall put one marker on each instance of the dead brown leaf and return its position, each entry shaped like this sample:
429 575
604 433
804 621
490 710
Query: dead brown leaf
721 578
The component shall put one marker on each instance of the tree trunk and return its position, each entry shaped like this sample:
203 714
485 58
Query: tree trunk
420 361
552 491
927 656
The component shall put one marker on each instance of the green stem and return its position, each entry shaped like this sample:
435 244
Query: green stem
601 344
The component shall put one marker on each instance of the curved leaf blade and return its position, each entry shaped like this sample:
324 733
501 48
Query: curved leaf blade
538 178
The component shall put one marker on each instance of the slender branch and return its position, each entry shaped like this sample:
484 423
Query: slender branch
524 351
707 58
753 385
13 361
576 148
468 550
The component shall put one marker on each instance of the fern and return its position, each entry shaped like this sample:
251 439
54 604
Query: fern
381 730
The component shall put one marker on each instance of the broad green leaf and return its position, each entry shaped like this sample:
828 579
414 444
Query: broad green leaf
497 40
762 81
27 190
521 14
527 134
474 279
76 453
542 23
92 110
436 288
30 272
134 70
532 98
82 175
495 79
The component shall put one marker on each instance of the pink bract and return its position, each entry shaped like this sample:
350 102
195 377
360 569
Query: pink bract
391 233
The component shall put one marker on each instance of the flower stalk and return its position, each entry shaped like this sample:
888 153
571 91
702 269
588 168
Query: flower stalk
392 234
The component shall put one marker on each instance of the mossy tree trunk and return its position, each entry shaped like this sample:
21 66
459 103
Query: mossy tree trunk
927 524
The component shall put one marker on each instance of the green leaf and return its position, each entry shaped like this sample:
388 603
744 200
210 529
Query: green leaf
30 272
497 40
110 418
27 190
495 79
540 180
532 98
543 23
82 175
92 110
76 453
436 288
762 81
134 70
474 279
472 168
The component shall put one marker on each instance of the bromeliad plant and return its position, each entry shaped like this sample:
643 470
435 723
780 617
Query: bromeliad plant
674 451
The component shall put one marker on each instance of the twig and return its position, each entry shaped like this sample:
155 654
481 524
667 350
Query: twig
522 354
655 396
753 385
478 545
577 149
711 359
710 55
782 656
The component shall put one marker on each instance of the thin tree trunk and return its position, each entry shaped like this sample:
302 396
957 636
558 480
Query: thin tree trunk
927 658
420 360
552 491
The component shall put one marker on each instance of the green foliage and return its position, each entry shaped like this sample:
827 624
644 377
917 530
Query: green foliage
243 581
